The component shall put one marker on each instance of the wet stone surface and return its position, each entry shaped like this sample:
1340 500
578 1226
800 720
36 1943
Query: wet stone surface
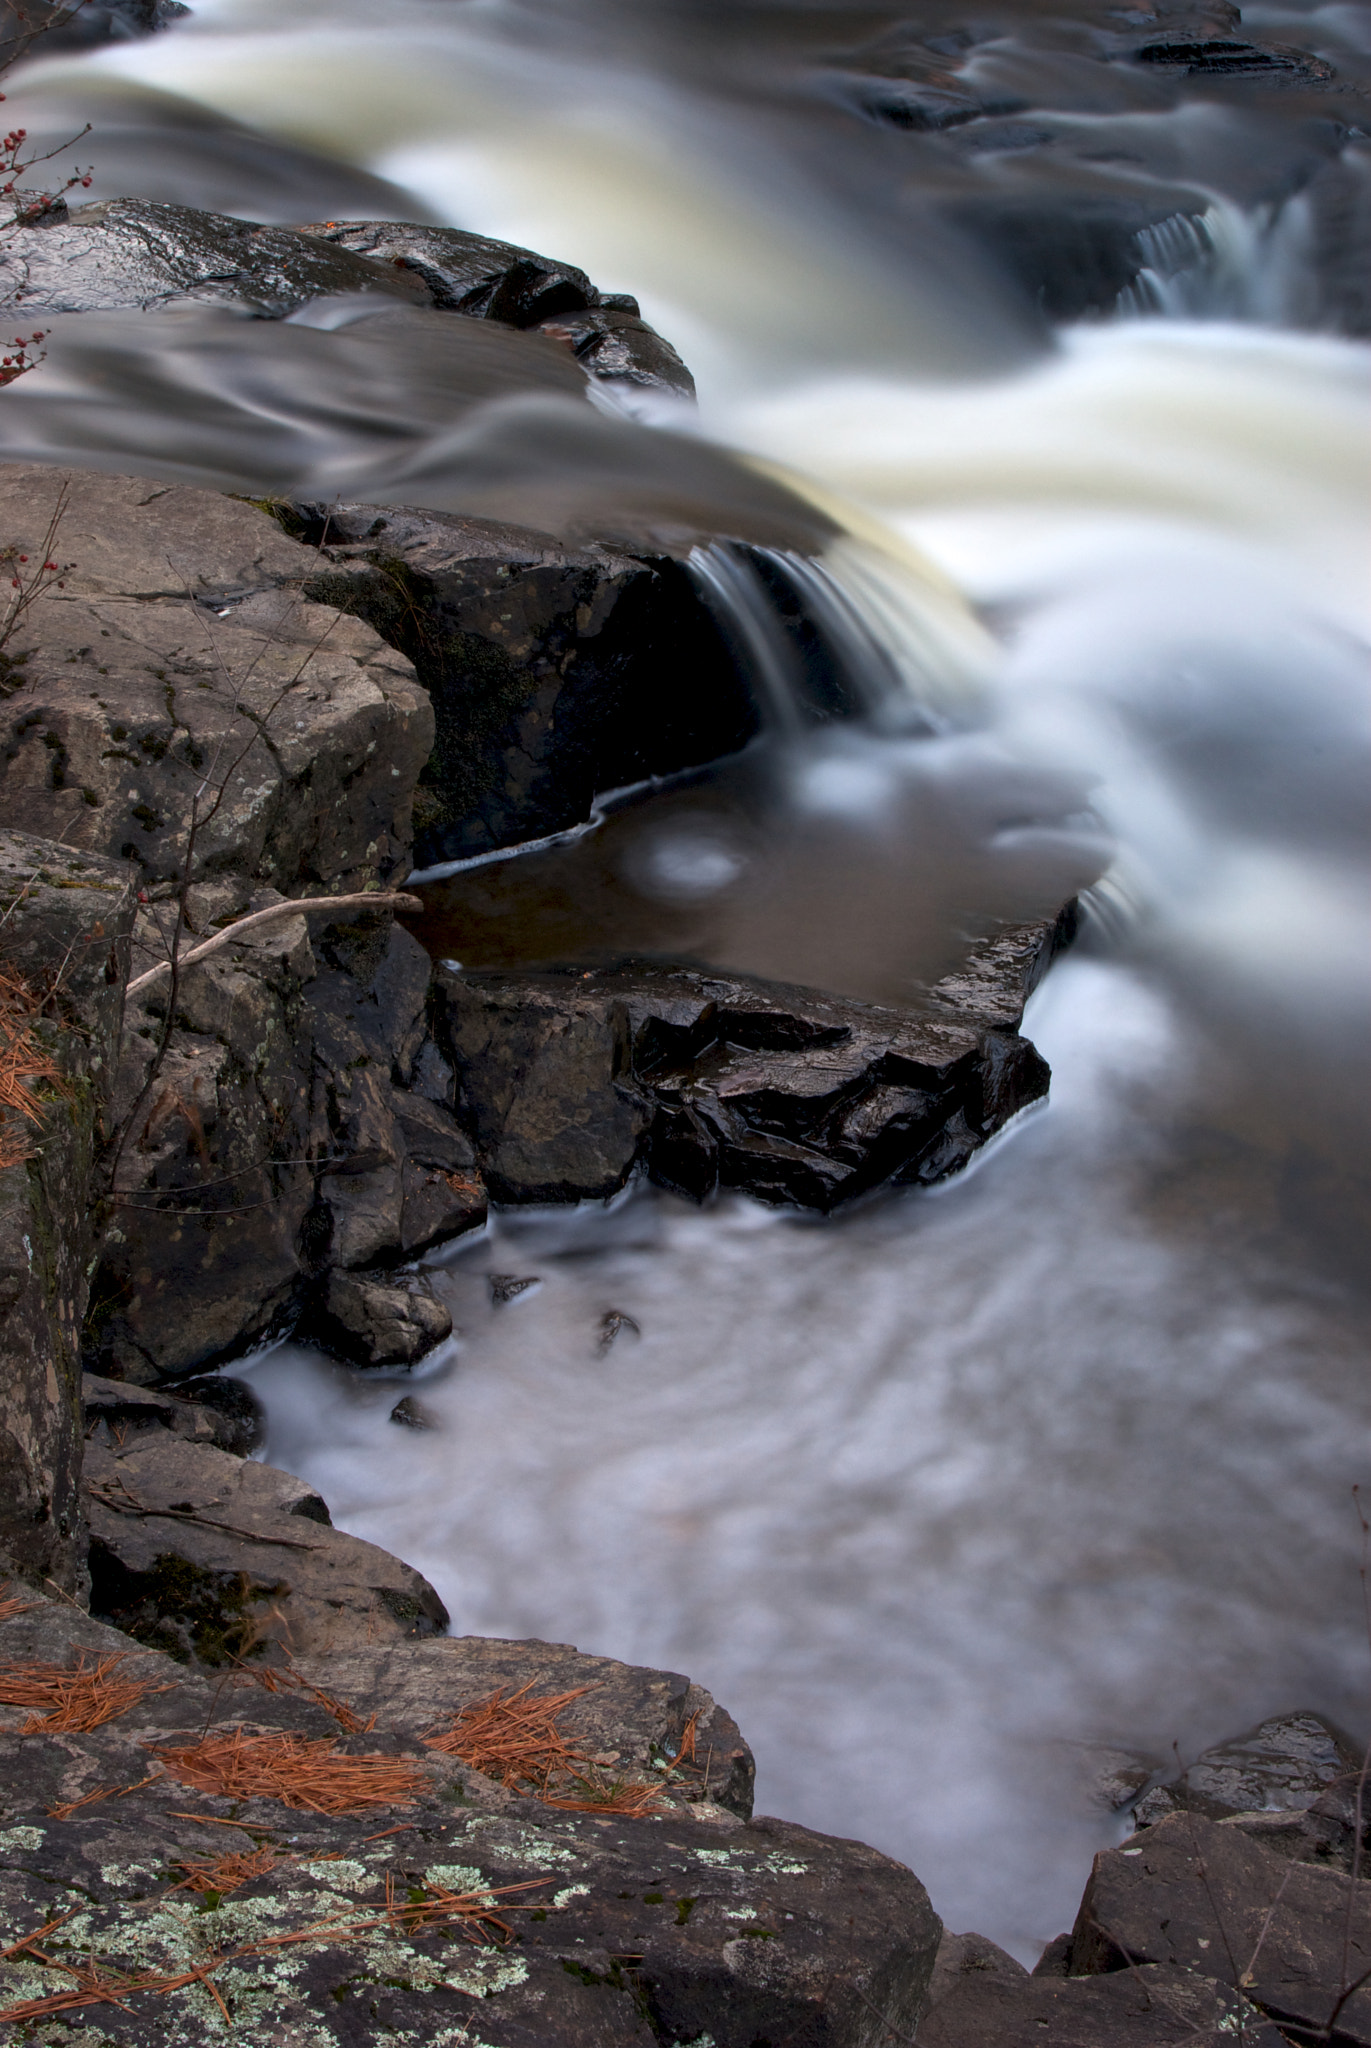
566 1081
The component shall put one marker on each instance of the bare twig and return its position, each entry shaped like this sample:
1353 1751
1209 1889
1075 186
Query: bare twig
369 899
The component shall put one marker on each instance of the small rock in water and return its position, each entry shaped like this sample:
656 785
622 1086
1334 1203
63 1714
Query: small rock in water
411 1414
611 1322
507 1287
1113 1777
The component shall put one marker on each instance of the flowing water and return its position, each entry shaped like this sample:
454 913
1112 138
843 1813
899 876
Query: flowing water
935 1493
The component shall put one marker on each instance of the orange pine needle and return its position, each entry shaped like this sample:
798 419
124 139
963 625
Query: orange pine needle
23 1061
72 1699
10 1603
512 1738
227 1873
301 1771
273 1680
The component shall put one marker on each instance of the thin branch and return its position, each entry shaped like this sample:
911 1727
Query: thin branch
372 899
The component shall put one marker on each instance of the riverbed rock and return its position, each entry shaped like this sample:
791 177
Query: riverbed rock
65 920
1286 1764
1201 1896
380 1318
146 253
489 280
1291 1784
211 1558
567 1081
629 1930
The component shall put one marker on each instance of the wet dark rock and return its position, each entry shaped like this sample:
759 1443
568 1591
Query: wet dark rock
616 345
1146 2008
489 280
1200 1896
65 935
566 1081
555 673
145 253
1225 57
635 1930
81 24
380 1318
210 1558
612 1323
464 273
212 1410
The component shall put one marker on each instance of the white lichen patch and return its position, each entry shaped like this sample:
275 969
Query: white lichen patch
784 1866
458 1877
720 1856
21 1838
126 1877
339 1871
739 1912
570 1892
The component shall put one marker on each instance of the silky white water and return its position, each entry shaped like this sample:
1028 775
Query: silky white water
1065 1451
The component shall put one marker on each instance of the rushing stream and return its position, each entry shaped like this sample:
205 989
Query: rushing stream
1063 1452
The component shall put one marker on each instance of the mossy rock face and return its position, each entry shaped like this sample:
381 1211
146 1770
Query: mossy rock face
182 1609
